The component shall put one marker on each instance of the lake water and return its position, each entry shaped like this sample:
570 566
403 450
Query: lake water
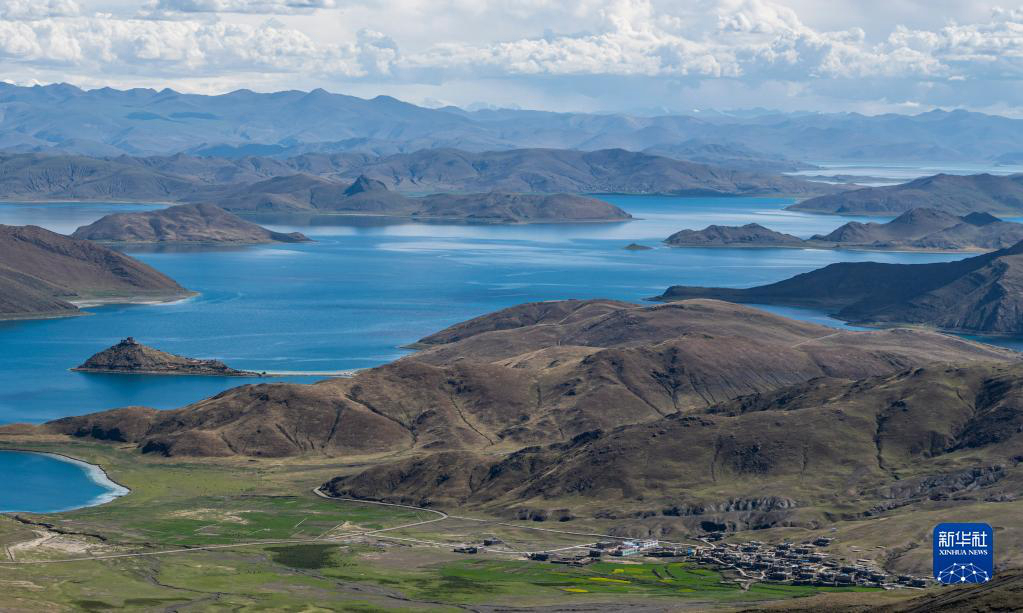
368 286
45 483
887 173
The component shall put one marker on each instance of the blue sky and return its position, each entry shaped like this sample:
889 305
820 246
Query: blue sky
611 55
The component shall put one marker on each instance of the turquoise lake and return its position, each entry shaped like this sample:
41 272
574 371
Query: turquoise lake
43 483
368 286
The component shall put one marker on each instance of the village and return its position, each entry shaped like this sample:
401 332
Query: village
753 561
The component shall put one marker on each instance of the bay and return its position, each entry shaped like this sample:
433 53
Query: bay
47 483
367 286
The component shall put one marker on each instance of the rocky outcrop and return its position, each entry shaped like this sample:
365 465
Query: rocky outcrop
186 223
133 358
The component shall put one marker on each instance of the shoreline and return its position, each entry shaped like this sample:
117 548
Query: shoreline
93 472
144 300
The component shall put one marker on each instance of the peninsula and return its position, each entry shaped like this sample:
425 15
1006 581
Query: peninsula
185 223
976 295
44 274
133 358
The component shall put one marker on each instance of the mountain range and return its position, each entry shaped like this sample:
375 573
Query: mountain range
108 122
917 229
180 177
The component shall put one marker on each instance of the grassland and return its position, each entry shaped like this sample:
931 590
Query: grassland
274 545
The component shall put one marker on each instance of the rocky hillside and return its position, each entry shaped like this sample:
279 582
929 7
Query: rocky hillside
43 273
981 294
952 194
532 375
922 441
133 358
186 223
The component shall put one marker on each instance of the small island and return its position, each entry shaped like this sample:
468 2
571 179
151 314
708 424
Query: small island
750 235
129 357
186 223
636 247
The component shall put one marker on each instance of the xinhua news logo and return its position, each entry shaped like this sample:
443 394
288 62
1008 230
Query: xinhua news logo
964 553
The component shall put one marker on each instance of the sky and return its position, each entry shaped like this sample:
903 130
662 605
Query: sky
632 56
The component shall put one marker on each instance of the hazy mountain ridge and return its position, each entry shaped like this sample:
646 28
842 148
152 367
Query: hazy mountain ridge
41 177
953 194
915 230
146 121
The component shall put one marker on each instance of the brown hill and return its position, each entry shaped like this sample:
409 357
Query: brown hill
42 273
936 440
132 357
186 223
535 374
979 294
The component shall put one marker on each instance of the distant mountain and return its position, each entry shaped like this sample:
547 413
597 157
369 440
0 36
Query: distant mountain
916 230
42 273
956 195
734 156
981 294
185 223
559 170
749 235
106 121
365 196
179 177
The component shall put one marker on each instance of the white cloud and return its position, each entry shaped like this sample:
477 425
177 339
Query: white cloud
419 45
16 10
